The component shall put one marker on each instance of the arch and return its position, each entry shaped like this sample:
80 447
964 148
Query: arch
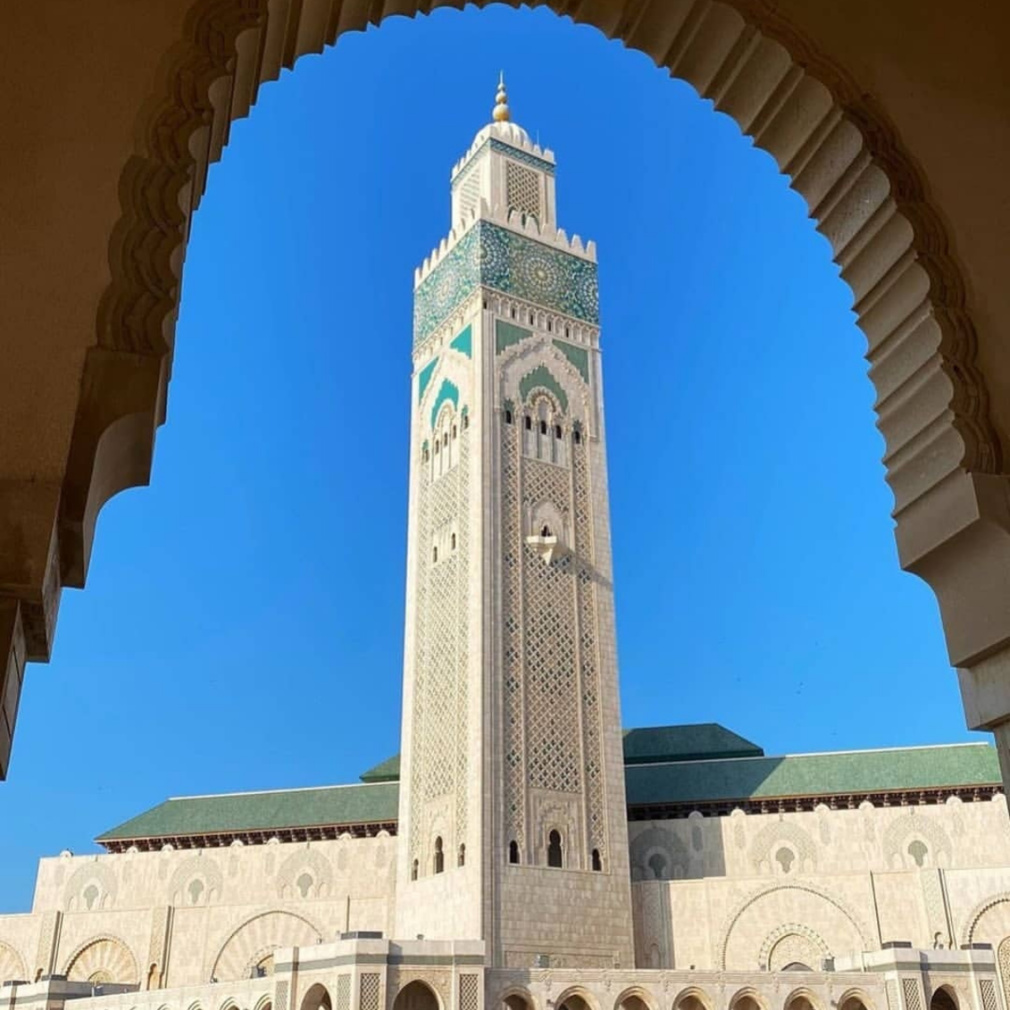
826 132
747 998
854 999
516 998
635 998
555 850
576 998
792 943
200 868
766 844
1001 915
912 826
265 1002
310 861
692 998
96 875
864 937
674 860
12 965
106 959
253 942
802 999
317 997
944 998
417 995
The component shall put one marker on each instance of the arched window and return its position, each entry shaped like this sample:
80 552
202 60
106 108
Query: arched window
452 541
437 444
554 849
413 870
577 436
567 332
466 420
557 431
513 851
545 530
425 455
549 326
439 856
943 999
461 857
543 427
513 313
454 431
597 863
529 423
657 863
508 416
434 553
445 439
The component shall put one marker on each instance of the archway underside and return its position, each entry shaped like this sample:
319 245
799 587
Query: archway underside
825 131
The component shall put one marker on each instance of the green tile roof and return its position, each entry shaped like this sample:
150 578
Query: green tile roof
285 808
385 771
665 783
685 743
842 773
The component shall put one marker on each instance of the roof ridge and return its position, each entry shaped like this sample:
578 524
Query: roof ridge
268 792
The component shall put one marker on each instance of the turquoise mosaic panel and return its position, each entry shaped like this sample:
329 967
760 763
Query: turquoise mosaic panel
463 342
506 334
515 264
578 356
448 391
424 377
541 378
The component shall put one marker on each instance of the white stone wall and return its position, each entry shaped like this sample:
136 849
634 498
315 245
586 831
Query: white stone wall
749 890
196 914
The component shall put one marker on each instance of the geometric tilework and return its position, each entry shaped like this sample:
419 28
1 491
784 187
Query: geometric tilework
541 378
424 377
578 356
463 342
515 264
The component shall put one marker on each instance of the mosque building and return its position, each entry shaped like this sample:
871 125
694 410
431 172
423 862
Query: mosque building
524 851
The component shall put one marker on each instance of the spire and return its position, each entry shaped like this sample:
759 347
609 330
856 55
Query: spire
501 113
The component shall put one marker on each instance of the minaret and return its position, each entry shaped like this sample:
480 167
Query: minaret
512 825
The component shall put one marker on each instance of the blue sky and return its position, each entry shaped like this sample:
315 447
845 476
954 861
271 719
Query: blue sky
243 620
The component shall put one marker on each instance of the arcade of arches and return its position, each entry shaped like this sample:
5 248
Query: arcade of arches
890 119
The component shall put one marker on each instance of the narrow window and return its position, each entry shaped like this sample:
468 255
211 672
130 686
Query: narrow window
485 303
434 553
513 312
543 427
425 455
578 436
529 423
545 530
461 858
453 541
437 444
454 431
557 431
567 333
445 439
466 421
549 326
513 851
508 416
413 871
597 864
439 856
554 849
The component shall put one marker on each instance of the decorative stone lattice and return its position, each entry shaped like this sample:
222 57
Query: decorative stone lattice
469 992
441 653
522 189
343 1000
1003 964
910 990
987 992
281 996
469 191
588 653
368 991
891 991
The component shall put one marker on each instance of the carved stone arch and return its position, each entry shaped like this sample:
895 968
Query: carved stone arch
742 998
636 992
265 1002
105 955
802 993
905 827
91 874
996 908
692 998
202 868
865 938
524 361
811 941
312 861
255 938
13 967
854 994
515 997
581 993
762 847
665 842
418 994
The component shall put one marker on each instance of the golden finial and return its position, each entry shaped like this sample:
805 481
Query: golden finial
501 112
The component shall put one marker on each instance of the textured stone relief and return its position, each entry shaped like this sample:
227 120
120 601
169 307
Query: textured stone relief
659 854
305 874
12 965
912 992
105 959
793 944
48 931
785 847
915 840
196 881
91 887
343 997
252 943
368 991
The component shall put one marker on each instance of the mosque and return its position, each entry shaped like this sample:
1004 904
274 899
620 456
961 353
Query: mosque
523 851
